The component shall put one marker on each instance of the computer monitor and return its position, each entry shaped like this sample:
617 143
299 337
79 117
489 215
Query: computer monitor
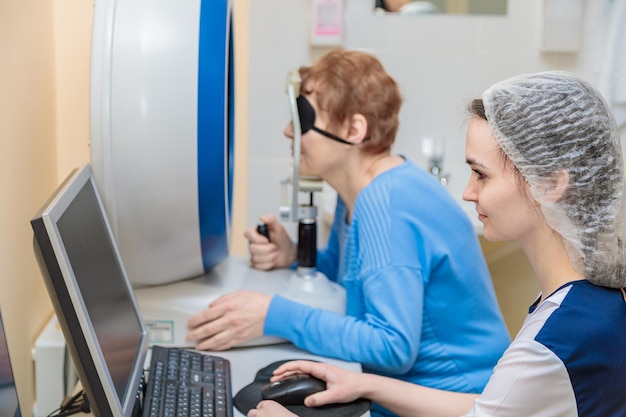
9 404
91 295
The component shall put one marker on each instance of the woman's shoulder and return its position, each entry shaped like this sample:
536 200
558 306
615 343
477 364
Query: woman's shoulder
577 316
409 187
407 176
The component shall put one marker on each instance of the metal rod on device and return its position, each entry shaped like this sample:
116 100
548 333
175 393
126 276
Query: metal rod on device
293 91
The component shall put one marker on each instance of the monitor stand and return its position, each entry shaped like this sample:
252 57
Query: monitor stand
167 308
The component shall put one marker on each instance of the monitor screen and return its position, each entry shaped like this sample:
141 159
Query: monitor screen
9 406
91 294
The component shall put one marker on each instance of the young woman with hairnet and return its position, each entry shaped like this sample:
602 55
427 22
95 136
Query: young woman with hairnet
405 251
548 172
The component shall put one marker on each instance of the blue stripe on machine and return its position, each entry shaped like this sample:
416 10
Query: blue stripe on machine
214 131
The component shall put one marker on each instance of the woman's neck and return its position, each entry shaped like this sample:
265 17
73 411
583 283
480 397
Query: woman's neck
550 262
358 174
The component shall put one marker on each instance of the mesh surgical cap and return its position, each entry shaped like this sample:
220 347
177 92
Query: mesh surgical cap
560 134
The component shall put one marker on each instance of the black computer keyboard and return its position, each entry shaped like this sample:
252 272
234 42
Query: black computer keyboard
187 383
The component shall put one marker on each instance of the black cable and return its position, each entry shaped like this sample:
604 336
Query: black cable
69 401
72 405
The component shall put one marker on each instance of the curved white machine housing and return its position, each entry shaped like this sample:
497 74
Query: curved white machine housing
161 132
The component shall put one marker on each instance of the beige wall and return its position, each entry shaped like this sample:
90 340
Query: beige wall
72 46
28 170
241 34
513 279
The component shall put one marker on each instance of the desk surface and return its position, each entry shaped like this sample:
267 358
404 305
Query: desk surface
167 308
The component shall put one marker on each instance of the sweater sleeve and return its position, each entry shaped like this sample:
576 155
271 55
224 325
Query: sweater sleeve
386 339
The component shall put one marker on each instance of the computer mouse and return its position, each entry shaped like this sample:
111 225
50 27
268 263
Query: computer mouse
292 390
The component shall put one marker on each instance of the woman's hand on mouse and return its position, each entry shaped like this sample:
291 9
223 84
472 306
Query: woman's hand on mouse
268 408
342 385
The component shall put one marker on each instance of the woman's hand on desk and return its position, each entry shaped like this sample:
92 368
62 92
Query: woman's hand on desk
231 319
277 252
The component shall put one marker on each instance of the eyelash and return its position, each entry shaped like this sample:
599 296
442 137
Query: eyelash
478 174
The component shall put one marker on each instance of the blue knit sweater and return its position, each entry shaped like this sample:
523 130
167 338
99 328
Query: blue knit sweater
420 302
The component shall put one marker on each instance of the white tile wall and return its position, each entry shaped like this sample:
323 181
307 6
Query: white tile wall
440 63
